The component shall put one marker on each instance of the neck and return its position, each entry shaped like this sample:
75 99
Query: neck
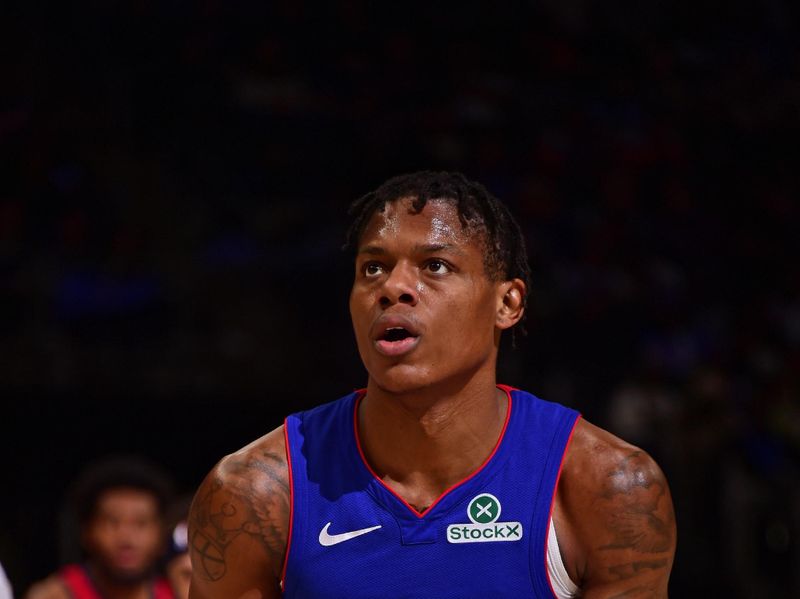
112 588
422 443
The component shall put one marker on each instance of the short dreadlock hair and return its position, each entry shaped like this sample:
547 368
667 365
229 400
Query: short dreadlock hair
505 258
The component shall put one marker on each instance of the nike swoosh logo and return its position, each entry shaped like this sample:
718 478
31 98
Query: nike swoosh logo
326 539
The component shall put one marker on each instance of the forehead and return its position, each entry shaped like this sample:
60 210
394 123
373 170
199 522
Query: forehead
437 223
123 500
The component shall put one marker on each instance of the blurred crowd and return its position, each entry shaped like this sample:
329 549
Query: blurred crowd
175 180
129 535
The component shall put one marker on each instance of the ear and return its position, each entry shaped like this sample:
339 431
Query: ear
510 303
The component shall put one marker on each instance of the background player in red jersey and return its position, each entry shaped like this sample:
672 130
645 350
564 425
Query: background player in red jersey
440 274
119 503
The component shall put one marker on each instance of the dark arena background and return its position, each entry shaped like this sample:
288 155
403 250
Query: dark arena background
174 179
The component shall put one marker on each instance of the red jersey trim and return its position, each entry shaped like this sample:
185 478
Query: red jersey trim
291 504
79 585
362 393
553 501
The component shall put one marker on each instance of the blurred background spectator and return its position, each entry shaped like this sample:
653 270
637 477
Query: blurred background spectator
173 178
118 506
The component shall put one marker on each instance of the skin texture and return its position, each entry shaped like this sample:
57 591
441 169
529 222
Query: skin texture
123 541
430 417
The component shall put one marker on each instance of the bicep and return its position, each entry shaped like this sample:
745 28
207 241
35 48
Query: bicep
632 532
240 572
238 526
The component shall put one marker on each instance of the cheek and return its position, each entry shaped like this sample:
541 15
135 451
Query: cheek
360 303
149 538
355 313
472 317
154 536
100 536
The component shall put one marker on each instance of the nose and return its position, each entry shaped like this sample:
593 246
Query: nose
399 287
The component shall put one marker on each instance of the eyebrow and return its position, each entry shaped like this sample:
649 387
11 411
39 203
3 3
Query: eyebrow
424 248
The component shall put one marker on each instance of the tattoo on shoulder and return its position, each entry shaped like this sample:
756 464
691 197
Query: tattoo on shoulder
626 571
640 512
254 501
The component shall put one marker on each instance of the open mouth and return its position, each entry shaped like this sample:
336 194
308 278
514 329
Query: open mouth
396 334
395 341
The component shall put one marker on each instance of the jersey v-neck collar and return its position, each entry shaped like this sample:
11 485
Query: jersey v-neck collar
452 496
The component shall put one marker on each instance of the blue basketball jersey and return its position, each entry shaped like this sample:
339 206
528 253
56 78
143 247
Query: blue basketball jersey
352 536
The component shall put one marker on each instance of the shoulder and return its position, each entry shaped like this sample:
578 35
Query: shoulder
615 513
597 460
239 520
258 470
50 588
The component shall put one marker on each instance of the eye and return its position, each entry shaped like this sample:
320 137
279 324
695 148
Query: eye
372 269
439 267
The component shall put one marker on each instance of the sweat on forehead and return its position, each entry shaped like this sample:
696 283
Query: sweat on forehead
443 222
411 205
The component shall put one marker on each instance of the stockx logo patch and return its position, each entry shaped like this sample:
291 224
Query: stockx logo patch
484 527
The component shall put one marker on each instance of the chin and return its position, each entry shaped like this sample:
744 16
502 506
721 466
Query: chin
401 379
129 576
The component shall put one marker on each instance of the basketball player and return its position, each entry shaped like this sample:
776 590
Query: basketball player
120 505
434 481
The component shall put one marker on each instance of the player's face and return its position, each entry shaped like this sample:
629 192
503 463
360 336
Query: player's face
423 308
125 535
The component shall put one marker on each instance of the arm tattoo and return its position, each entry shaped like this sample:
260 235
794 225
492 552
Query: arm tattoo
637 520
625 571
253 501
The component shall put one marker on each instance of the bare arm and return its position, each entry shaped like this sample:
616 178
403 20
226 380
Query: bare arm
616 515
238 524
